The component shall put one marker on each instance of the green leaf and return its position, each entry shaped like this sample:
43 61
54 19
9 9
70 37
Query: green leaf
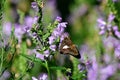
58 39
45 36
49 26
80 75
40 32
41 50
57 68
33 58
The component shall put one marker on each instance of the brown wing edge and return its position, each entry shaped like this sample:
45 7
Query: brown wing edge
77 56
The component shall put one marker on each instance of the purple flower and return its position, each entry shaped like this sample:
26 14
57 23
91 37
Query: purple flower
109 27
110 43
101 22
34 35
53 47
84 50
89 64
52 39
43 76
115 0
5 34
107 58
7 27
93 72
102 32
30 21
59 19
63 24
6 75
81 67
60 29
101 25
107 71
106 26
34 5
63 36
19 32
117 33
117 52
41 56
38 55
34 78
111 17
115 28
57 33
35 19
46 53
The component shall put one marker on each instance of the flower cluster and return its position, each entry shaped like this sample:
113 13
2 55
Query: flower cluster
105 26
56 36
57 33
111 44
111 41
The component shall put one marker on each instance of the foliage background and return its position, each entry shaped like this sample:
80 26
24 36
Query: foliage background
82 16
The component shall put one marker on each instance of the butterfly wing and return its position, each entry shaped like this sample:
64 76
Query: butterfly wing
67 47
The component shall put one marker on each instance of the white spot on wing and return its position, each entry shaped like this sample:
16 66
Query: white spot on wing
65 47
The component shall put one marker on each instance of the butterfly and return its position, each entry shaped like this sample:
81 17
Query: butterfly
67 47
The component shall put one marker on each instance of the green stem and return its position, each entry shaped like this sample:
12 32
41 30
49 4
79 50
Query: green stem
1 62
49 76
